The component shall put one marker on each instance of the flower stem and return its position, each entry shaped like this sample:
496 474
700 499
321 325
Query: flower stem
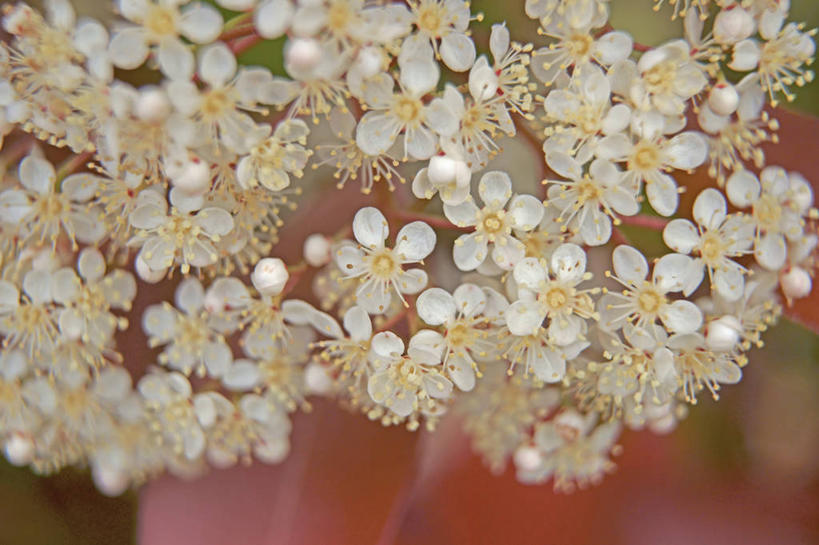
654 223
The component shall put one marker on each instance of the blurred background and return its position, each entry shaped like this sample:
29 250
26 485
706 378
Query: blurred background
743 470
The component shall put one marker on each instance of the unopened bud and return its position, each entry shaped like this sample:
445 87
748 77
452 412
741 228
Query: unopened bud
723 99
733 24
317 250
19 449
146 273
444 170
110 481
796 283
369 62
723 334
527 458
194 177
317 380
270 276
302 54
153 106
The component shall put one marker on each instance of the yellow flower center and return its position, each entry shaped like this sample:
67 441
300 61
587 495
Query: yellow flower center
408 110
649 300
579 45
767 212
645 157
383 265
712 248
430 18
161 21
214 103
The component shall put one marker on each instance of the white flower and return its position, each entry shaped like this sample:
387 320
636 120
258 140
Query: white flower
445 20
642 301
650 158
697 367
555 296
271 162
667 77
391 113
350 161
190 340
87 303
448 175
380 269
41 211
588 202
778 202
29 322
180 414
178 237
717 238
481 117
584 113
781 61
577 47
466 333
218 111
159 25
573 451
411 383
493 223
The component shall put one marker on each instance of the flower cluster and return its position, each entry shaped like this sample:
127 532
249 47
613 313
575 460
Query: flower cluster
489 295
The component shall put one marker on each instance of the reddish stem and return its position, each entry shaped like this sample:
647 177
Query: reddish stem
654 223
245 29
394 320
642 47
432 221
241 45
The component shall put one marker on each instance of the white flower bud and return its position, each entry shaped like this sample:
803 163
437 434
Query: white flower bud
302 55
317 250
270 276
145 273
723 334
194 177
272 18
153 106
796 283
19 449
733 24
110 481
444 170
527 458
723 99
317 380
369 62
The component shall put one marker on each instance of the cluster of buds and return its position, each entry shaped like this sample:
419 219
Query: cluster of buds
527 312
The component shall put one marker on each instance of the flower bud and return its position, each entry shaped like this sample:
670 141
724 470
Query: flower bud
110 481
19 449
272 18
444 170
733 24
796 283
146 273
270 276
723 99
194 177
302 55
317 250
369 62
317 380
527 458
153 106
723 334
